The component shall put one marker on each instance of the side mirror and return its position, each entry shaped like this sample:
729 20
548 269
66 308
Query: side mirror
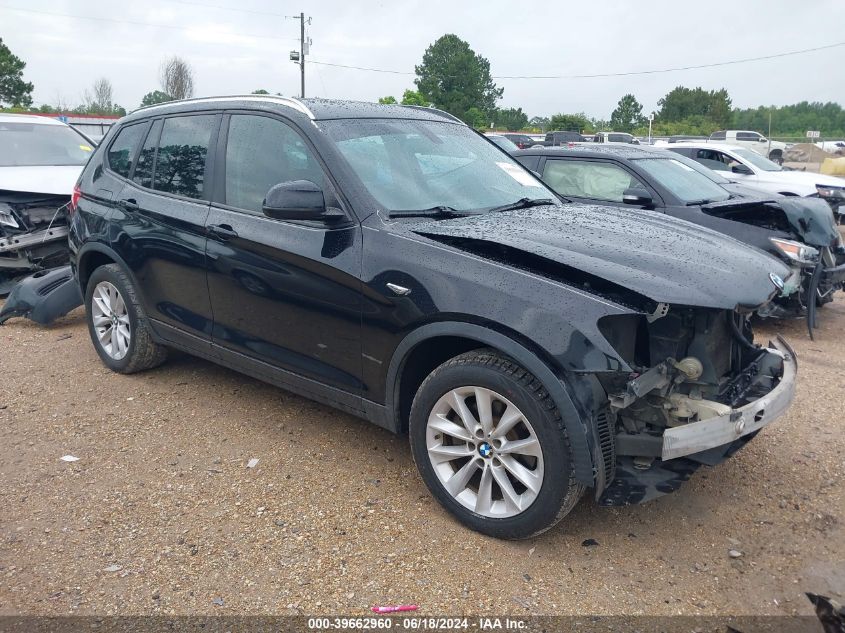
298 200
742 169
637 196
763 139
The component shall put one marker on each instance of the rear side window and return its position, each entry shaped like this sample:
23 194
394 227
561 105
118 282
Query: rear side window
144 168
124 148
182 150
718 136
262 152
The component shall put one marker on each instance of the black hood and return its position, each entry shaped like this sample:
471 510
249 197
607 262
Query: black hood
810 219
664 259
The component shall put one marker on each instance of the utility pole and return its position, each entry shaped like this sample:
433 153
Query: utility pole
304 45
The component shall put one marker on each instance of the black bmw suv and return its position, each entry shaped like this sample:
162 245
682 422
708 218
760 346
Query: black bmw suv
392 263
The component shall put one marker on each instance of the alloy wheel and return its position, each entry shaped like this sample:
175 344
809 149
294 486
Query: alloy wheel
485 452
111 320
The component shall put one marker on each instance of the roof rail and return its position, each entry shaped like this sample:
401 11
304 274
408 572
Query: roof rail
296 104
436 111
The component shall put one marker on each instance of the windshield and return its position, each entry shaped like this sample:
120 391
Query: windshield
36 144
685 183
505 143
760 162
408 165
703 170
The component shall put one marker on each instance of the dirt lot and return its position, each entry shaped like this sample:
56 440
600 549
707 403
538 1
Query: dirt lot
161 515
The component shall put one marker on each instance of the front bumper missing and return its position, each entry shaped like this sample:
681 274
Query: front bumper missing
700 436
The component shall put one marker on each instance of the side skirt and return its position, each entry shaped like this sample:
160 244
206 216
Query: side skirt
305 387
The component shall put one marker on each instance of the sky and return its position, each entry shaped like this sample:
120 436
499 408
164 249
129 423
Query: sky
237 46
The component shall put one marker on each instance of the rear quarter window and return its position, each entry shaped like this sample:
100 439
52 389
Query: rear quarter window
124 148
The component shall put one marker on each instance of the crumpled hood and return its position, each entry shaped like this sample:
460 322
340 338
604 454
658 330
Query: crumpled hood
58 179
810 218
664 259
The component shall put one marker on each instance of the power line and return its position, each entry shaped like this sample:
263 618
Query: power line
616 74
236 9
134 22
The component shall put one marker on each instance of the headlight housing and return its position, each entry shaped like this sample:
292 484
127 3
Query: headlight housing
830 191
796 251
7 217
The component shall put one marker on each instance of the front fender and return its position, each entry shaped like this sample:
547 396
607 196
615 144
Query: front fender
578 429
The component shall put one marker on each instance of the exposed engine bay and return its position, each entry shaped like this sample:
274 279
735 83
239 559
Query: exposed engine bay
699 390
33 234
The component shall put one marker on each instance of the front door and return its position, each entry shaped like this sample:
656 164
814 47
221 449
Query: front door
283 293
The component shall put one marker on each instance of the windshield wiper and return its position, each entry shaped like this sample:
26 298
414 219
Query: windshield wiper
438 213
522 203
695 203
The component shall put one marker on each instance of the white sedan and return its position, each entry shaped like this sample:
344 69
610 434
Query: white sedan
748 167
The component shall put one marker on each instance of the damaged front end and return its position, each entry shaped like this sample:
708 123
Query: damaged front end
802 232
33 234
699 391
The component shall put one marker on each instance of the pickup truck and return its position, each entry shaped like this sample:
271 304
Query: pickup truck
773 150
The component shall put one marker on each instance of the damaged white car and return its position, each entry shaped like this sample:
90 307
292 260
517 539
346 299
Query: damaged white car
40 160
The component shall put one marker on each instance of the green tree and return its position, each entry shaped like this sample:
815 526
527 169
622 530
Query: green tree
681 103
512 119
154 97
456 79
260 91
476 118
539 122
412 97
627 115
387 100
569 122
14 90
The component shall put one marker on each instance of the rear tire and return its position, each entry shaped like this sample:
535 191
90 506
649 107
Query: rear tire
503 478
118 324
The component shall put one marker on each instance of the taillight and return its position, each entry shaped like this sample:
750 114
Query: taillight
74 199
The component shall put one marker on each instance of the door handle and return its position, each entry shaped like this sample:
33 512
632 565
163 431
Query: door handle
223 231
130 204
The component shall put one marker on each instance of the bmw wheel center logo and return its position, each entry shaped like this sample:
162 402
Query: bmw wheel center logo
485 450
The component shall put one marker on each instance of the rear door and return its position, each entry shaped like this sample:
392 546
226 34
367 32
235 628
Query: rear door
160 221
285 294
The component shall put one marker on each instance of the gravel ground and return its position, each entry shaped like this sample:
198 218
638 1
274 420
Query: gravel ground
161 515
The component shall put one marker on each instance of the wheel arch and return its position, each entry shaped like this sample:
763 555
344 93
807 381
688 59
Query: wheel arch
427 347
93 255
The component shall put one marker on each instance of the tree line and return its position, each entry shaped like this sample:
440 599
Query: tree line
454 78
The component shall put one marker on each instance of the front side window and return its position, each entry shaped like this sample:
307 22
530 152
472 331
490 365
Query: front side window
588 179
685 183
40 144
182 150
122 151
413 165
747 136
260 153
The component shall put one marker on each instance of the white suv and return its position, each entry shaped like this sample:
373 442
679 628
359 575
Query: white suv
749 168
753 141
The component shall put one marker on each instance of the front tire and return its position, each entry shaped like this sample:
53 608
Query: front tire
491 446
118 324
